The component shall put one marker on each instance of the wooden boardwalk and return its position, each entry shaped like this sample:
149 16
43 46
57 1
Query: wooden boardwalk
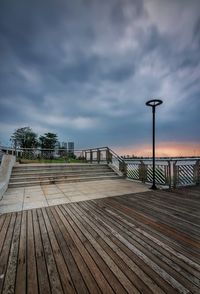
141 243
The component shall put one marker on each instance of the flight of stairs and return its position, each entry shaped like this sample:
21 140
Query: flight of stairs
24 175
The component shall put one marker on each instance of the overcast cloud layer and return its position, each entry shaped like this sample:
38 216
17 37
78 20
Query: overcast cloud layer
84 69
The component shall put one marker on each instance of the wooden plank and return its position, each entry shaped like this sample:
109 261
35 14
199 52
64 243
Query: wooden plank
32 280
164 218
158 202
91 209
60 232
108 274
180 198
4 229
116 258
187 251
143 237
9 283
141 243
85 271
165 229
97 274
2 219
65 277
136 264
21 262
54 278
116 270
190 227
169 267
161 201
43 279
182 234
190 192
8 233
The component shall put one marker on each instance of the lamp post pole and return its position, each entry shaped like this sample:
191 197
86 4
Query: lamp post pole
153 103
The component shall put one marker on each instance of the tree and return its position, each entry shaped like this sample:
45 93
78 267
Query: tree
24 138
48 141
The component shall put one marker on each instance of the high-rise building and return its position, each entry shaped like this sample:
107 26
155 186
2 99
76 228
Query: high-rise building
64 145
71 147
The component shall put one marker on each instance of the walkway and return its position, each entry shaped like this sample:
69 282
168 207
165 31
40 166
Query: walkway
18 199
141 243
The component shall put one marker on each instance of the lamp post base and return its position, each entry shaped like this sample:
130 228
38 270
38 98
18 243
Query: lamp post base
153 187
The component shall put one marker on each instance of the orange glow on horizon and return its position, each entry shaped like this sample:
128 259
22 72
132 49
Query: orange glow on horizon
166 149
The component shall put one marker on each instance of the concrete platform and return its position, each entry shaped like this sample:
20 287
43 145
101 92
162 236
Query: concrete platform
18 199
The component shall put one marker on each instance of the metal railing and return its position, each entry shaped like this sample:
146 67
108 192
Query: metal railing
142 170
186 172
1 156
171 173
45 155
168 172
105 155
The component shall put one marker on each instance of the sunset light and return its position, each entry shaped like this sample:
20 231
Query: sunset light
167 149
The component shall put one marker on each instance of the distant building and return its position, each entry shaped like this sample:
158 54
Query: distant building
57 145
64 145
71 147
56 149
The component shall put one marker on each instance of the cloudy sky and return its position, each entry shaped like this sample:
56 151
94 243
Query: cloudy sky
85 68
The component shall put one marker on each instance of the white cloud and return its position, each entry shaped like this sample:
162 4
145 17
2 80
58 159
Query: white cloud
30 75
73 76
174 18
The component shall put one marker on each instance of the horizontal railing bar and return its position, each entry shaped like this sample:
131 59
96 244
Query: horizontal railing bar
161 160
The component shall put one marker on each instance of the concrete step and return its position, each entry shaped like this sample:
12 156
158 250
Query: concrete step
60 180
24 175
22 170
56 165
27 178
59 172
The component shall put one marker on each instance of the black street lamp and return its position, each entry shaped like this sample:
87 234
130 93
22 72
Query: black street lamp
153 103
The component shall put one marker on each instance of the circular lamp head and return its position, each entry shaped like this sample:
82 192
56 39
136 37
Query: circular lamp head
154 102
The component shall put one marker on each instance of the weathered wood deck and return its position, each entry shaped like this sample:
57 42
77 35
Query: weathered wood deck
141 243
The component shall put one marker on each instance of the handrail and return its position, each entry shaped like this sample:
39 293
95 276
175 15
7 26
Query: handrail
40 149
96 148
116 155
103 149
163 159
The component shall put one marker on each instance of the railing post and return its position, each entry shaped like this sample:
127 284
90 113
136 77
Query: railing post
169 175
175 178
123 167
108 156
197 172
91 156
142 172
98 155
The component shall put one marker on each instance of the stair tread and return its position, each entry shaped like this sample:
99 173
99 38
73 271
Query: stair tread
51 170
27 166
60 175
61 180
36 174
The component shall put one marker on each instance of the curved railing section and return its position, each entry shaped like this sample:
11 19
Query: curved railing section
106 155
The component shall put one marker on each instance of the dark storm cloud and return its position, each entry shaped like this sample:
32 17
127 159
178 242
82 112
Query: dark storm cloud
84 69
